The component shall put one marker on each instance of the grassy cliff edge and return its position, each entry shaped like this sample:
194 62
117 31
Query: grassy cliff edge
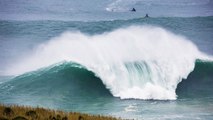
14 112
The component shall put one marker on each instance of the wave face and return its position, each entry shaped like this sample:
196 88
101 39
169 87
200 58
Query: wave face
73 82
199 83
134 62
62 80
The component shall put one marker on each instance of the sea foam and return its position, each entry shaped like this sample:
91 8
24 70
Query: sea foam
134 62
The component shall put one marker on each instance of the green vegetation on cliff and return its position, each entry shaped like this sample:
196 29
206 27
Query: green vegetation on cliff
14 112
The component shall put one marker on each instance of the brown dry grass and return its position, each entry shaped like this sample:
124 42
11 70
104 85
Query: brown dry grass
14 112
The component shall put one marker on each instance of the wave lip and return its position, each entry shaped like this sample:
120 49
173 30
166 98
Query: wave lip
134 62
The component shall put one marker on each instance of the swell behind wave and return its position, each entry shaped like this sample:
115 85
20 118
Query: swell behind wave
134 62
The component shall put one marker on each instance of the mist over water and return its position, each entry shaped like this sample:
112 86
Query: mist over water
96 10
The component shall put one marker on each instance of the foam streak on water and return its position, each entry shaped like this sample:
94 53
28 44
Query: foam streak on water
135 62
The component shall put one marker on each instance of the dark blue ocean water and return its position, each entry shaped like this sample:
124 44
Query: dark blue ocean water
98 57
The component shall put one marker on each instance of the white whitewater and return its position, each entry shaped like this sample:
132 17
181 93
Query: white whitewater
134 62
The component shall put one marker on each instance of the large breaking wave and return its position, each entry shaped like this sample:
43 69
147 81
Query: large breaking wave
134 62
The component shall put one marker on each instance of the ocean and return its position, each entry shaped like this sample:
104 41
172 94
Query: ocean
98 57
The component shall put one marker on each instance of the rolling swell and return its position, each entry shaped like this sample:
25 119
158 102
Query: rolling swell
65 79
199 83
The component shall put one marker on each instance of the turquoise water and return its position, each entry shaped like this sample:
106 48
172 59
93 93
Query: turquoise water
107 60
68 87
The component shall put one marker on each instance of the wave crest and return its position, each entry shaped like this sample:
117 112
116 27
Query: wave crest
134 62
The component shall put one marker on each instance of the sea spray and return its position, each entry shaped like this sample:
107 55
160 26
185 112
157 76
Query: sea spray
134 62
